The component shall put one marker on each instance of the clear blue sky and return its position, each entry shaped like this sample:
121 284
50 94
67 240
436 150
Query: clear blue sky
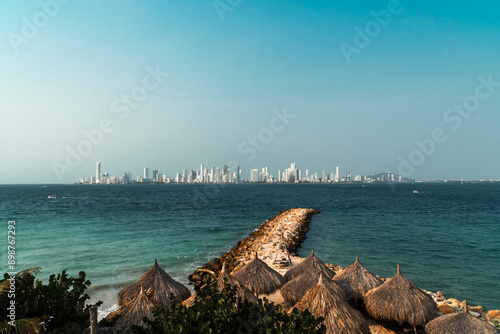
229 68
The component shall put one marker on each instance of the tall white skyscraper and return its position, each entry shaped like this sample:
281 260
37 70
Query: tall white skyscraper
254 175
337 174
98 172
146 172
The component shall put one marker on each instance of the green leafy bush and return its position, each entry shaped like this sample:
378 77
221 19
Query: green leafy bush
59 305
224 312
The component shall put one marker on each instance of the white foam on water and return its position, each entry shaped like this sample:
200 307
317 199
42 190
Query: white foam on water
103 313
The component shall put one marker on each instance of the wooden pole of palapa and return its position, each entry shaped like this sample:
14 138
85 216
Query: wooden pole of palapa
94 326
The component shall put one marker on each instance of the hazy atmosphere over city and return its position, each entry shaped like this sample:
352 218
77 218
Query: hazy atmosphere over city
411 87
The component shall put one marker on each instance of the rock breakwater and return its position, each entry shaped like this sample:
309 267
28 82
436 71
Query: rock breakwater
274 240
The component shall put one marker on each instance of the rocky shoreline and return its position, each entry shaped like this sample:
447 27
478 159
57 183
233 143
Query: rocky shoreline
452 305
276 242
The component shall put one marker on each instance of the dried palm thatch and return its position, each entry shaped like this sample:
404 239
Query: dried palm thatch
241 291
398 299
339 317
357 280
294 290
259 278
161 285
459 323
190 301
311 262
134 312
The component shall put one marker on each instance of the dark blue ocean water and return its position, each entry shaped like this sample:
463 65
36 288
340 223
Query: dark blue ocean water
447 237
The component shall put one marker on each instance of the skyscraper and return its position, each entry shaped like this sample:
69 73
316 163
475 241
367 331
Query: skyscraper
98 172
146 172
254 175
337 174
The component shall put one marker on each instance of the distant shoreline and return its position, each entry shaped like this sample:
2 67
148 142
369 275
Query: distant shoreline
261 183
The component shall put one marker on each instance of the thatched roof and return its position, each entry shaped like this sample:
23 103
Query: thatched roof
294 290
339 317
134 312
241 291
160 283
357 280
398 299
311 261
459 323
259 278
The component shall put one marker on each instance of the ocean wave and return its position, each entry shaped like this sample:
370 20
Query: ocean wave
103 313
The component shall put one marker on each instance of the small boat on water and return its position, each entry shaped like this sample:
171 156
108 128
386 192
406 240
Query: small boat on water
415 191
51 196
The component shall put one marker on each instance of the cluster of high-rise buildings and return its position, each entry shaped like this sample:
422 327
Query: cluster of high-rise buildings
202 175
228 175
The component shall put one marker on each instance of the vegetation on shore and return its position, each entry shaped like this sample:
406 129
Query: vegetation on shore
223 311
56 307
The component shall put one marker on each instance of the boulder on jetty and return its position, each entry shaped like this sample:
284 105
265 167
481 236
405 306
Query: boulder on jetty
459 323
159 283
357 281
493 314
398 299
311 262
339 317
259 278
294 290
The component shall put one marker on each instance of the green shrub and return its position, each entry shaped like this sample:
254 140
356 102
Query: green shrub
224 312
59 305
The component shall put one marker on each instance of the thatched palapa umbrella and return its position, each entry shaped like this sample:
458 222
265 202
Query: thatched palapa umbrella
160 283
134 312
311 262
294 290
459 323
241 291
398 299
357 280
339 317
259 278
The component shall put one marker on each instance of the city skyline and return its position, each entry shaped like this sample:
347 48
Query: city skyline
233 174
407 86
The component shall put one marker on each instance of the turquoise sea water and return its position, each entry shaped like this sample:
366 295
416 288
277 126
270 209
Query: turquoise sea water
446 237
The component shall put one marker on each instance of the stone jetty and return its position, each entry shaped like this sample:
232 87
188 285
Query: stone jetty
276 242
